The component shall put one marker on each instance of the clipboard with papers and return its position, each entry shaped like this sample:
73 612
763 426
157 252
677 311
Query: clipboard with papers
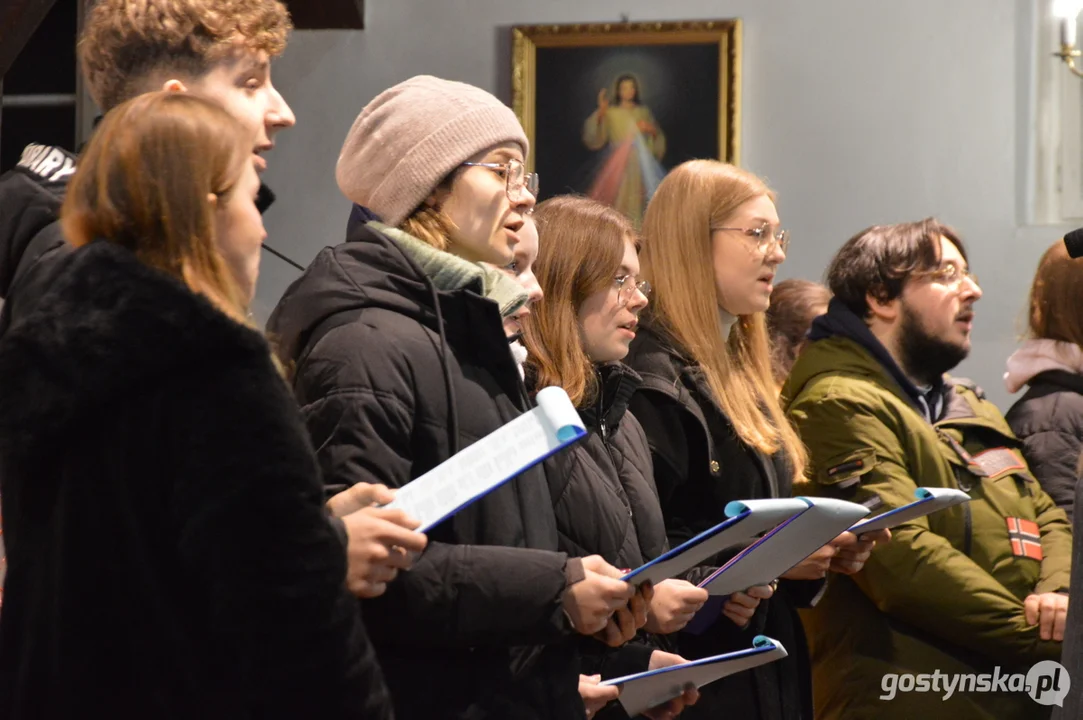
746 520
785 546
929 500
643 691
500 456
798 537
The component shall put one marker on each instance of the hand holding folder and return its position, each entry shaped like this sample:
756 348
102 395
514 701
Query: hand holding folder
746 520
643 691
500 456
929 501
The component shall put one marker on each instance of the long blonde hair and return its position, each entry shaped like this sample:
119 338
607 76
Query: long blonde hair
580 251
143 183
676 259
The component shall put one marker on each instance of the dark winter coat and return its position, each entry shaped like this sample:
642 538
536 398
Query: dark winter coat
1049 421
606 504
401 362
31 194
700 465
169 552
603 490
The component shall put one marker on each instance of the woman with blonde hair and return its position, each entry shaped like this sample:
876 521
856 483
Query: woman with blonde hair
1049 416
710 411
402 361
170 555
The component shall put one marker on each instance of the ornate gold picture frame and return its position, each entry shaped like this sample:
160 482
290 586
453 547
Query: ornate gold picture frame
610 108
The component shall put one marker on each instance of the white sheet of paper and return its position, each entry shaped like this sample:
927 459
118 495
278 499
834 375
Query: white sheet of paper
785 546
747 519
650 689
929 501
492 461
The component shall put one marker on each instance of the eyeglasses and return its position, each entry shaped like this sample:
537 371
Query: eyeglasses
951 276
518 179
626 286
762 237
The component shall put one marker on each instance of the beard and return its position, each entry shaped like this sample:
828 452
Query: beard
924 356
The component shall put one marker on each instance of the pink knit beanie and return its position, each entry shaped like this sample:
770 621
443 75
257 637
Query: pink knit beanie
411 136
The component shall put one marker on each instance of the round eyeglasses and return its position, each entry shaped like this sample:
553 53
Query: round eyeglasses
951 276
627 285
518 179
763 237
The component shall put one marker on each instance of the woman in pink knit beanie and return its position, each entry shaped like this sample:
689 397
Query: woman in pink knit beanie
400 361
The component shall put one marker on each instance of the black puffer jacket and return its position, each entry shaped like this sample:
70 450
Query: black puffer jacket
169 552
1049 421
700 465
603 490
606 504
389 389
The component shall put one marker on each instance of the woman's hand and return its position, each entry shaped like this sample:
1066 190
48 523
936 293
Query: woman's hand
741 606
815 566
595 696
673 605
854 551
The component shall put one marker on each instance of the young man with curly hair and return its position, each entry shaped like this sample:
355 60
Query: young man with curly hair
220 49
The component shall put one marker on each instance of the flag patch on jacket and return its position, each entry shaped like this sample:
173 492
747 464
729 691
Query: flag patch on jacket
1025 537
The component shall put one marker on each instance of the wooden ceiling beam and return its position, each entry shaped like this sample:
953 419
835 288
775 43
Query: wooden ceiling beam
327 14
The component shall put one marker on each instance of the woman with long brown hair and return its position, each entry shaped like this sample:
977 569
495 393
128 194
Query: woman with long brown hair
1049 416
170 555
712 244
603 488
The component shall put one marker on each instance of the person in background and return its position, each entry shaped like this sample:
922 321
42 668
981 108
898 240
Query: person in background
142 582
794 305
976 588
401 360
521 270
603 488
712 418
1049 416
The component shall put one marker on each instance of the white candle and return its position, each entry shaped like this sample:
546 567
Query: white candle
1068 13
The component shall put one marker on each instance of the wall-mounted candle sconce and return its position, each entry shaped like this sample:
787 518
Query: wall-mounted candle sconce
1067 12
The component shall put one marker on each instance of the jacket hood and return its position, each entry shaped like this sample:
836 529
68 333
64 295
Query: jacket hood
1041 356
838 355
840 321
30 198
109 327
380 267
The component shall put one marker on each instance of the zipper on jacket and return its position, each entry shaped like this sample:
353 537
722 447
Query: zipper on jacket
964 483
601 409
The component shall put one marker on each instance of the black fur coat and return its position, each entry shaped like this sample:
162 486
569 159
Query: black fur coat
169 552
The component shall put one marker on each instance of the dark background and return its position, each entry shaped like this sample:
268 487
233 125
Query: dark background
46 65
679 83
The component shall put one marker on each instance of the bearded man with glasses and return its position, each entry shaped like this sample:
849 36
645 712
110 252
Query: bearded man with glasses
978 588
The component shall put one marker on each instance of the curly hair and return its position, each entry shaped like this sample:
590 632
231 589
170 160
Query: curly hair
126 43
